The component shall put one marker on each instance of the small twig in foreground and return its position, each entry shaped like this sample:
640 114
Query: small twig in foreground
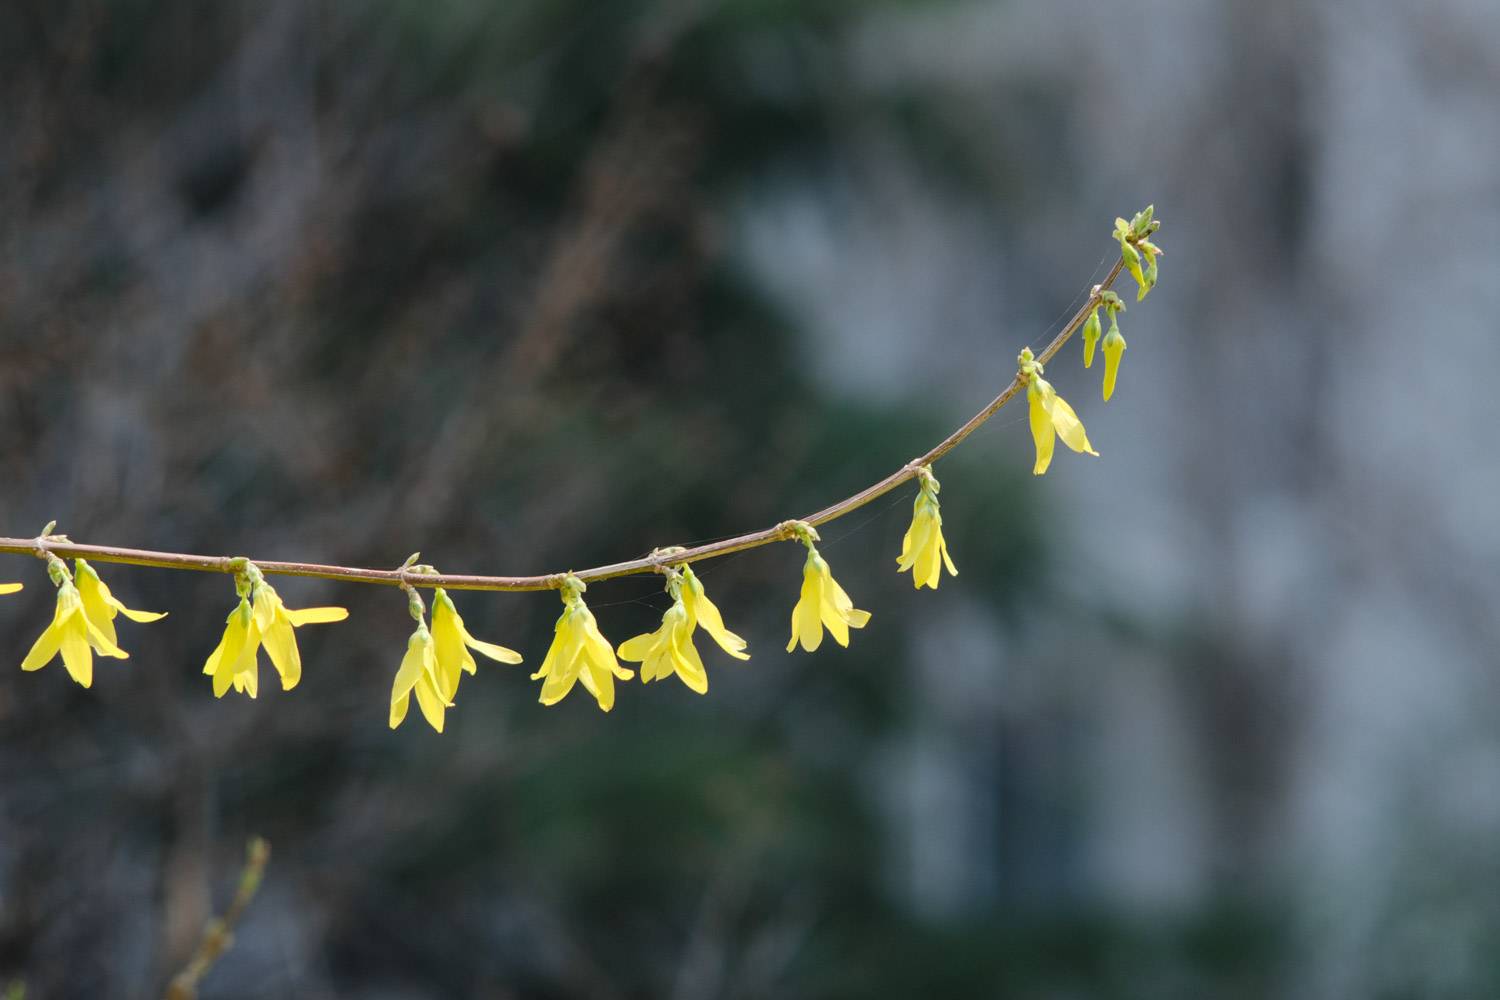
218 934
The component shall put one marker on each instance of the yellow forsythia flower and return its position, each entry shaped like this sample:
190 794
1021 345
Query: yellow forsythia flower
274 622
419 672
579 652
101 606
1114 346
823 602
260 619
923 550
232 663
72 634
705 614
10 588
452 642
670 648
1050 414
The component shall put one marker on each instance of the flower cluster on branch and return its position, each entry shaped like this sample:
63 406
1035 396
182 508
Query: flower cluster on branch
436 658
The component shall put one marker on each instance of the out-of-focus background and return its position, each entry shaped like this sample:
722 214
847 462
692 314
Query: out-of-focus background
546 283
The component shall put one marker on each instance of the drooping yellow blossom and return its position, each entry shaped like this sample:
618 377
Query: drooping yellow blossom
1114 347
451 644
1050 415
823 603
233 661
579 652
10 588
260 619
705 614
670 648
924 551
419 672
73 635
101 606
274 622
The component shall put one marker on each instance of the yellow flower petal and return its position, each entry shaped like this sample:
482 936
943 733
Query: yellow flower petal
76 654
101 642
409 674
248 680
448 645
1069 428
551 661
452 642
637 649
703 612
837 625
48 643
429 699
686 661
100 606
1042 433
564 674
10 588
431 703
280 643
496 652
315 616
275 623
233 637
807 625
600 665
43 650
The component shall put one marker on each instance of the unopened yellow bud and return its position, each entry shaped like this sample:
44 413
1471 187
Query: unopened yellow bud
1114 347
1132 260
1090 337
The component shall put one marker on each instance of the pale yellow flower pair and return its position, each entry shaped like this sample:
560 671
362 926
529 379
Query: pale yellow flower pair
82 624
436 660
261 620
670 650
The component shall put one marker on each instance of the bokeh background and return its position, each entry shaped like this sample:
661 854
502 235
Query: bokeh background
546 283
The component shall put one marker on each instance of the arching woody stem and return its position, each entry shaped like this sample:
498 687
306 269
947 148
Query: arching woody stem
46 544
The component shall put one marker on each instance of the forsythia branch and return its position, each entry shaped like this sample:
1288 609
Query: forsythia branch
46 545
83 624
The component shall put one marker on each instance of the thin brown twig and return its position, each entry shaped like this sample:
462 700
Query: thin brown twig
42 546
219 934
